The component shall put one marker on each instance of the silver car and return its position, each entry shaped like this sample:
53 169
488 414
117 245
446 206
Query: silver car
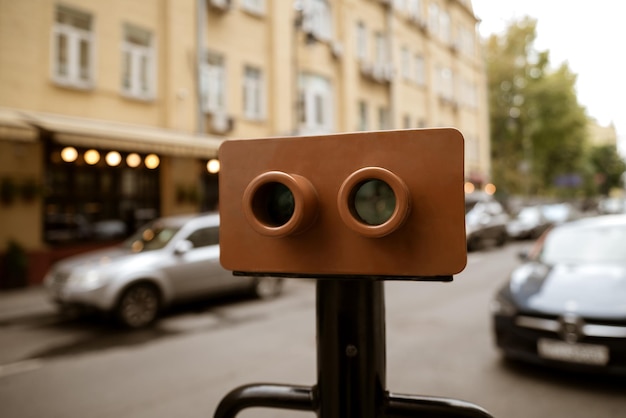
169 260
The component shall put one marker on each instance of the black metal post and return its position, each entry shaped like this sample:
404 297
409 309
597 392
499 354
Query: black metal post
351 365
351 369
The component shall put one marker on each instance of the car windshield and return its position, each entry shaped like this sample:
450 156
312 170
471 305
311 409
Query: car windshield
557 213
586 245
153 236
528 215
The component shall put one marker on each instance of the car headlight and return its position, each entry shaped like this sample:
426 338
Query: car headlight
503 306
90 279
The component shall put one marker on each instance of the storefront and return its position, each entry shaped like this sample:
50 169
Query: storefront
96 182
98 194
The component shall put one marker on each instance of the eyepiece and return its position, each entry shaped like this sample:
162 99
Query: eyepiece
278 204
373 202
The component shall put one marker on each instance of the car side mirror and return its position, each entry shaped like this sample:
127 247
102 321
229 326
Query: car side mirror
183 247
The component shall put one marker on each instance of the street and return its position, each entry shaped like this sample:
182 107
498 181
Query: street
438 343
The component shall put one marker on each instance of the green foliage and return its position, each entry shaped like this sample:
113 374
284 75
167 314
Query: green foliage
14 267
538 129
608 168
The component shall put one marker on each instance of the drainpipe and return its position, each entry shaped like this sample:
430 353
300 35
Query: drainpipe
201 15
392 82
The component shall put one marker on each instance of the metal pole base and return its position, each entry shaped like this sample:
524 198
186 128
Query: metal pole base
350 365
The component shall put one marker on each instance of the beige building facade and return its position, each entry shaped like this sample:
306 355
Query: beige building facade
111 113
600 135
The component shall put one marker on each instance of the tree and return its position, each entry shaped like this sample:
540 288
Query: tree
608 168
538 129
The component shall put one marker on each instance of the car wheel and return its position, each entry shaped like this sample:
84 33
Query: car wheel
138 306
473 244
267 287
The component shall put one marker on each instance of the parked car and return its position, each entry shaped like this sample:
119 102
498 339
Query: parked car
565 305
529 223
168 261
612 205
485 221
559 213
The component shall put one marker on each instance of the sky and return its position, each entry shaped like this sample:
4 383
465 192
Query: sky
589 36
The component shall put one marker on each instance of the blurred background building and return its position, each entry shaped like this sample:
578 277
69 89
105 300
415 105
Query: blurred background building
111 113
602 134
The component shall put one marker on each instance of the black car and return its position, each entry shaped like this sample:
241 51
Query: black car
529 223
485 221
566 305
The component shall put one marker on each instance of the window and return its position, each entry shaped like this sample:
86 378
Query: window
73 48
420 70
406 122
381 48
138 63
253 94
468 94
383 118
316 104
592 244
254 6
466 39
447 83
415 8
405 57
446 30
471 149
433 18
363 119
97 202
204 237
316 19
361 41
213 84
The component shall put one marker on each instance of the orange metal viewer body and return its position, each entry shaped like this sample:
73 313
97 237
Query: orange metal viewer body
424 237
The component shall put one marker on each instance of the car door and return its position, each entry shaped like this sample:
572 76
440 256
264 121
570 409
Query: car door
497 220
197 270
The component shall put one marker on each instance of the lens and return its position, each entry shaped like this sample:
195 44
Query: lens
274 204
374 202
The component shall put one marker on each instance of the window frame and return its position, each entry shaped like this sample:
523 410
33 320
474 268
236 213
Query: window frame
384 121
137 53
363 116
254 93
74 37
361 41
433 18
405 57
414 9
420 70
317 19
382 52
205 236
213 79
317 104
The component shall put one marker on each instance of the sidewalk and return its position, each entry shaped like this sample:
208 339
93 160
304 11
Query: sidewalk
24 302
